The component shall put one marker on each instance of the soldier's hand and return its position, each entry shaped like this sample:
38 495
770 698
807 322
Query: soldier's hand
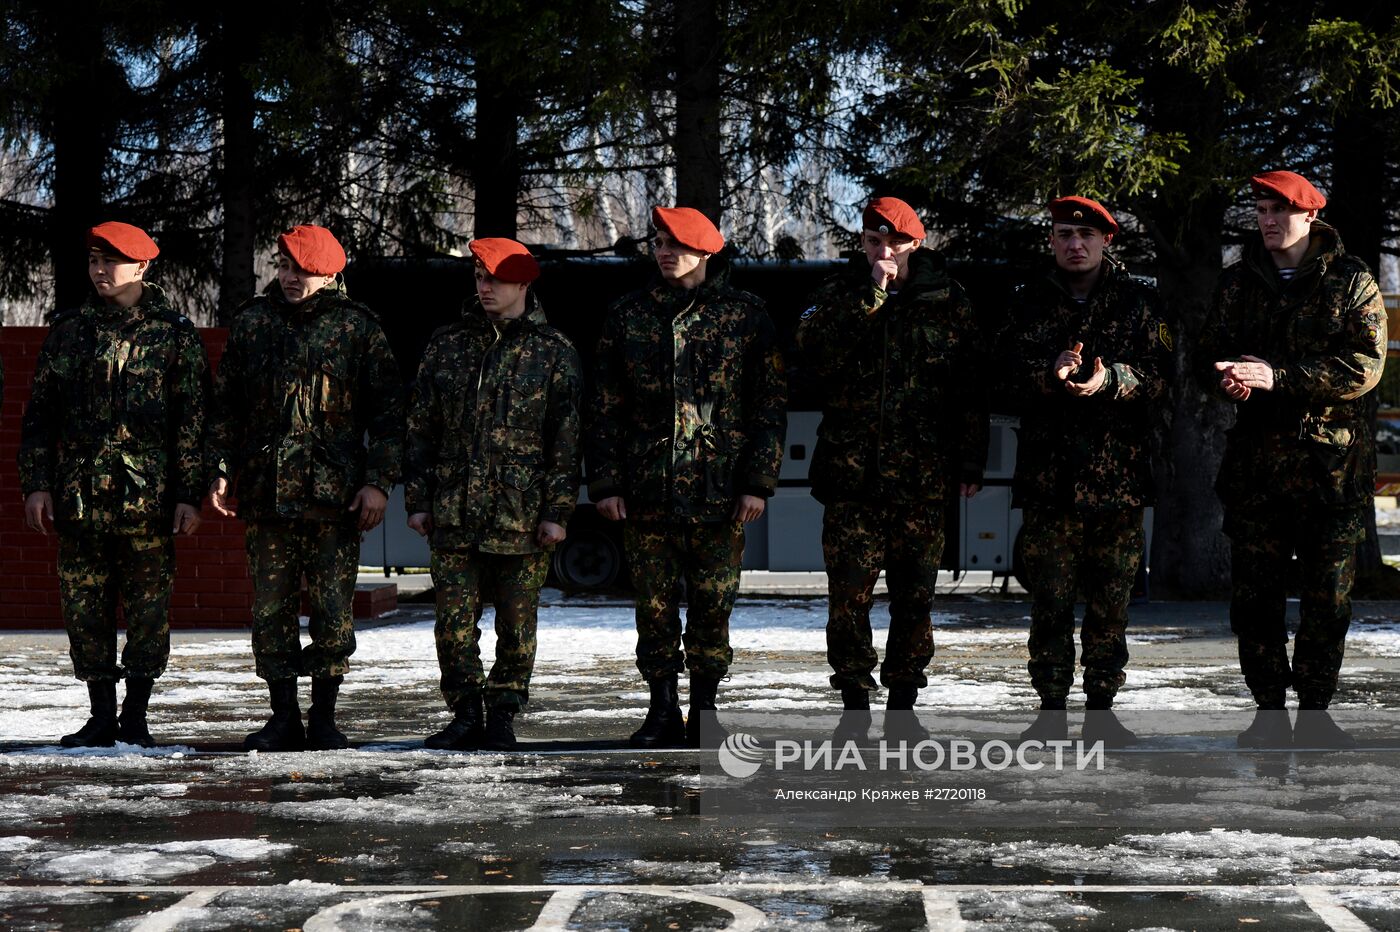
969 489
613 508
1085 389
37 507
884 271
1229 384
1253 373
421 522
548 533
1235 390
749 508
369 502
1068 362
187 519
218 498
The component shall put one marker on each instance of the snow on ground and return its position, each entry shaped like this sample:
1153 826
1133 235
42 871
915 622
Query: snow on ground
395 813
586 683
1216 856
55 859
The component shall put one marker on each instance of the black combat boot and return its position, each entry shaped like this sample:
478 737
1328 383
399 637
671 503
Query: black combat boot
702 704
321 733
465 732
855 717
664 726
1269 730
1100 724
283 731
901 721
500 735
101 728
1316 729
1051 723
131 724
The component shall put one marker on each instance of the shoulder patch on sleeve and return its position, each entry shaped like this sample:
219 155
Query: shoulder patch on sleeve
1164 335
810 311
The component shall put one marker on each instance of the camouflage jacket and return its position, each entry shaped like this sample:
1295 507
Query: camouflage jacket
493 431
1092 452
689 401
1324 332
903 416
297 388
114 429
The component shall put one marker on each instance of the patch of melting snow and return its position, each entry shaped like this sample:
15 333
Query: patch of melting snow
1376 639
674 871
1384 900
1023 906
467 847
1191 857
135 862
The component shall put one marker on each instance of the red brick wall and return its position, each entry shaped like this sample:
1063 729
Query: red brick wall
212 588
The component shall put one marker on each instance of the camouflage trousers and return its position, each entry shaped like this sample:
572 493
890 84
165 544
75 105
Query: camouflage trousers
697 561
1096 553
858 539
327 553
1263 539
463 579
97 571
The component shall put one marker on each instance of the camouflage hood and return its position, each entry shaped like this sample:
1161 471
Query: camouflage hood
1111 269
671 301
928 272
1324 249
154 303
473 313
327 298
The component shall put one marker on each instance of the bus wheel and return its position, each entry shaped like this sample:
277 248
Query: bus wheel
587 559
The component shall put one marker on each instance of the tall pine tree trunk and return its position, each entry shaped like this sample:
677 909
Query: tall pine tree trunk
84 106
496 165
1190 555
1359 214
699 165
237 178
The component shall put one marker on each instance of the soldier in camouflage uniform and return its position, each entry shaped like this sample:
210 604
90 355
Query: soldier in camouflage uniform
492 475
306 373
904 425
110 452
1089 350
688 417
1296 340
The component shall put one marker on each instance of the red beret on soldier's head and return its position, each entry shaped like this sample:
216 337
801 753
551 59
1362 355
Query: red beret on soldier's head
690 228
505 259
315 249
1082 211
1290 187
124 240
891 215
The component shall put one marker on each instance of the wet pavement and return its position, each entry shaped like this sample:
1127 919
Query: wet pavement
575 832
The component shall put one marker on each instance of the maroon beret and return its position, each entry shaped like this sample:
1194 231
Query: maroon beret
313 248
1288 186
691 228
124 240
891 215
505 259
1082 211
